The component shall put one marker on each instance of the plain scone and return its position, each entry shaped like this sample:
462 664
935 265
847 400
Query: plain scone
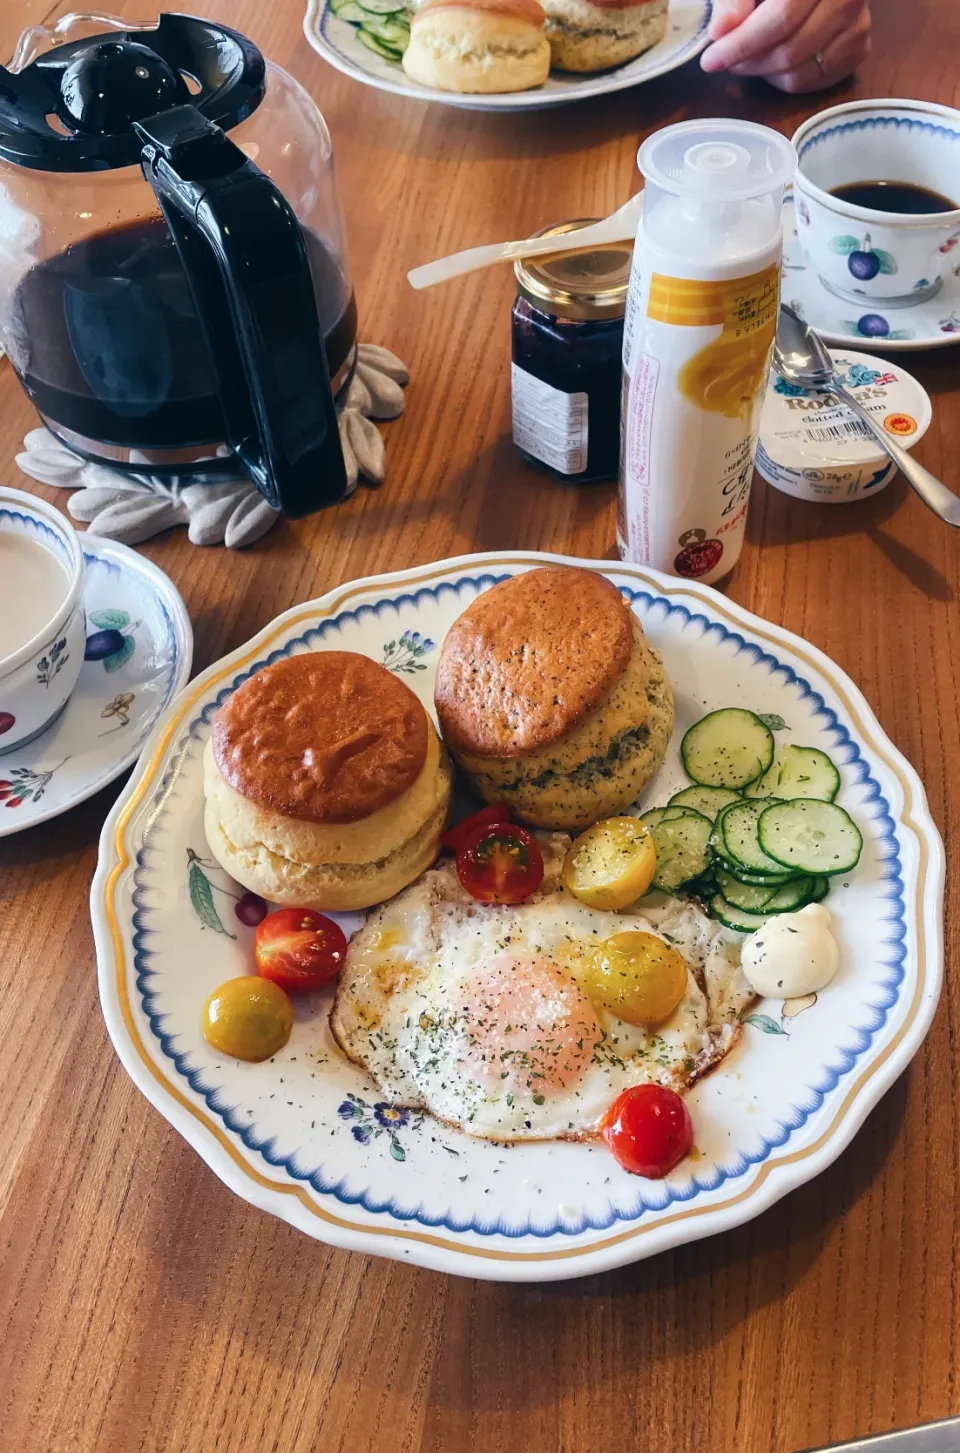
551 699
588 37
478 46
326 785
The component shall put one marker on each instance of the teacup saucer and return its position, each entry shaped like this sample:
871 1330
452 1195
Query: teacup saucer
933 322
139 652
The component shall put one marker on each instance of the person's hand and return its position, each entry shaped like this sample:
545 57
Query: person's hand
796 45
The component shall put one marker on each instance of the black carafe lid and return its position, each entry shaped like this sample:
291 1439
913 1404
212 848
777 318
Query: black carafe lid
73 109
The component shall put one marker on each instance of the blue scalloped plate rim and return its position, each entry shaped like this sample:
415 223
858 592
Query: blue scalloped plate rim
652 1196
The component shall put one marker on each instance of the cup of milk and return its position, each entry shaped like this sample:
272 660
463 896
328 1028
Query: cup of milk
42 625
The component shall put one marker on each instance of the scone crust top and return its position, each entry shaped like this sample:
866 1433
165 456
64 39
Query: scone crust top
326 737
530 10
529 659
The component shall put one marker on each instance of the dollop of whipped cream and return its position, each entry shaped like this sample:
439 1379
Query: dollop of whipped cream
793 954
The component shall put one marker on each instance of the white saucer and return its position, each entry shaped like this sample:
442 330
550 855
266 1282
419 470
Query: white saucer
117 698
932 323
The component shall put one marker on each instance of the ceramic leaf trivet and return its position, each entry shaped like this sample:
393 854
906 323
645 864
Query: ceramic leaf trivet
133 507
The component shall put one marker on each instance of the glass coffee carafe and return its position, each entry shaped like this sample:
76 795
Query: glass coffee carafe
174 291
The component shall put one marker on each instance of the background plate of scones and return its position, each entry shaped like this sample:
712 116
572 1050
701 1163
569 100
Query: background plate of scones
506 55
445 1097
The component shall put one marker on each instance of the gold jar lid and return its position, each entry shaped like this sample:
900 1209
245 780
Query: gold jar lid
577 285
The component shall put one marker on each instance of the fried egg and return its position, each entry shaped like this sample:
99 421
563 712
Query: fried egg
476 1012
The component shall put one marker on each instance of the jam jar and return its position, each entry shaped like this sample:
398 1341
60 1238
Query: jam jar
567 343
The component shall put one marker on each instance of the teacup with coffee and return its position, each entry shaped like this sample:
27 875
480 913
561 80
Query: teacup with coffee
877 194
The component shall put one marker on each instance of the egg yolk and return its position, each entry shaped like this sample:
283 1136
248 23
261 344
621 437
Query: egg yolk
526 1027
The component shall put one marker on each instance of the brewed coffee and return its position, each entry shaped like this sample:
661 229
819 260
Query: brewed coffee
111 348
905 197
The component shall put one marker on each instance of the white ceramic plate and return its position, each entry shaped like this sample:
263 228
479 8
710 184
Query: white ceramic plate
932 323
285 1135
117 698
336 40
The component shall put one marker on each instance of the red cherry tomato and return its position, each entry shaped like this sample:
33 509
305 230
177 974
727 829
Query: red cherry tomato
299 949
455 838
648 1129
500 864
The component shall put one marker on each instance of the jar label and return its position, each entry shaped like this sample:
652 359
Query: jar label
549 424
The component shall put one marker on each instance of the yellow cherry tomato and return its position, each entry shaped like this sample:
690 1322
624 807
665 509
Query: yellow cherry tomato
637 977
612 864
248 1018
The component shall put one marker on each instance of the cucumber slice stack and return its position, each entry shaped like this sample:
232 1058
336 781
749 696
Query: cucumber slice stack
681 839
383 26
758 833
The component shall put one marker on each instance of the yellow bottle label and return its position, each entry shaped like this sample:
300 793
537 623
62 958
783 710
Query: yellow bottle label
726 376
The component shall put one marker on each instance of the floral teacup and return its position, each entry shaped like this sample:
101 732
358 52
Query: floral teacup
893 258
43 630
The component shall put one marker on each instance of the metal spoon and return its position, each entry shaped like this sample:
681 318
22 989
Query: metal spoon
942 1437
620 226
800 357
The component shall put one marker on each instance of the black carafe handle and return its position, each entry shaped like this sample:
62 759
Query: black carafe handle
246 262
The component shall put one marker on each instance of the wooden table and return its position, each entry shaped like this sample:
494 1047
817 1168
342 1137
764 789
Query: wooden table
143 1306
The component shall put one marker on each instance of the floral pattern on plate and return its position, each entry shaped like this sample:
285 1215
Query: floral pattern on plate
405 654
368 1122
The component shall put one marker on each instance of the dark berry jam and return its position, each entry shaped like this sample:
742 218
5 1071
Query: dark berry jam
567 345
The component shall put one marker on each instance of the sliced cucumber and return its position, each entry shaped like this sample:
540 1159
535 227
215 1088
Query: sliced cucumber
708 800
393 32
736 918
716 837
791 896
382 7
728 748
682 844
762 880
798 772
753 897
348 10
738 829
655 815
388 52
809 836
821 887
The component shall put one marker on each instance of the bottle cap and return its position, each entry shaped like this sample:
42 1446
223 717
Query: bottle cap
714 188
722 160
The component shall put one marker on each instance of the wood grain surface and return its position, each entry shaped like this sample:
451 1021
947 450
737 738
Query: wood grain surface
142 1305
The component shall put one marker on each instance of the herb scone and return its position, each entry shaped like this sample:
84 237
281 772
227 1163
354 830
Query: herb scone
592 35
551 699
